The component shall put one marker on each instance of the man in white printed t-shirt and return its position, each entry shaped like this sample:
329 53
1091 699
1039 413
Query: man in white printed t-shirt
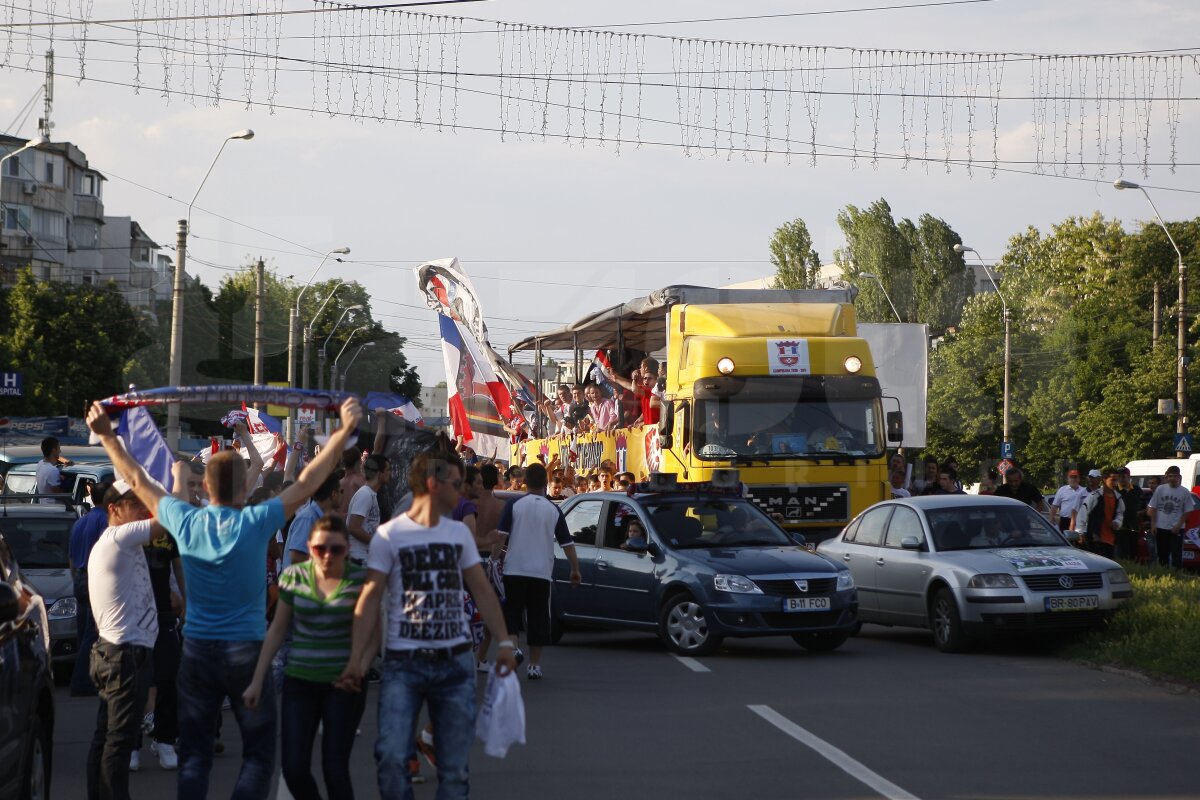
424 560
530 525
362 517
121 663
1169 507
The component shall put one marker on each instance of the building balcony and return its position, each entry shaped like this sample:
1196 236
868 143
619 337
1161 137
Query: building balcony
88 206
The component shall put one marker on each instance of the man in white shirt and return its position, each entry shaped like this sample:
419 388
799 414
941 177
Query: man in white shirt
424 560
121 663
363 516
1066 502
1169 507
530 525
49 474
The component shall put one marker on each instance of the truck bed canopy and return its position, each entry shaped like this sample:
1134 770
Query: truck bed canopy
640 321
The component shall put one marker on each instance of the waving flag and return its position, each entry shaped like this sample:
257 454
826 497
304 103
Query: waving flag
395 404
601 373
139 433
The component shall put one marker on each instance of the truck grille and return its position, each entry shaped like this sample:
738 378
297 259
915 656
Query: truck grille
1053 583
788 588
803 503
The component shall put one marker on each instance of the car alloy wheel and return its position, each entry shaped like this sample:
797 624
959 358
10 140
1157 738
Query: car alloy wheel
947 626
684 628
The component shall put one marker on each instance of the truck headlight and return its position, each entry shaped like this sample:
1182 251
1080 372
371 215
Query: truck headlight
726 366
736 584
62 608
853 364
999 581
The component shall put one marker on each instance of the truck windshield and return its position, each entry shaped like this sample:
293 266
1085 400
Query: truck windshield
787 429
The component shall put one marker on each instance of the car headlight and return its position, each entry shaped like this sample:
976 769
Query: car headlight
845 581
1116 576
63 607
736 584
998 581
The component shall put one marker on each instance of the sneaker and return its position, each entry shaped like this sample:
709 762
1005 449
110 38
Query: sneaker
374 676
483 666
534 673
519 655
148 723
425 746
167 759
135 761
414 771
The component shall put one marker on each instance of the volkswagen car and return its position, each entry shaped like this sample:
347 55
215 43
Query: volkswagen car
708 565
968 567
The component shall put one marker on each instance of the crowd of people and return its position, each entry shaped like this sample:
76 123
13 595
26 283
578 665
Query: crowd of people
280 598
1110 515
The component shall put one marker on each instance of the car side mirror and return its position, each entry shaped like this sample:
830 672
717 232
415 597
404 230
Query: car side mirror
798 538
910 543
10 604
895 426
653 549
665 441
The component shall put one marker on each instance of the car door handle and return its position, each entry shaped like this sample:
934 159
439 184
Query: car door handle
879 562
601 565
846 557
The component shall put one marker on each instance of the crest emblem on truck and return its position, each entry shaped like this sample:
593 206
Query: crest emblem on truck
789 353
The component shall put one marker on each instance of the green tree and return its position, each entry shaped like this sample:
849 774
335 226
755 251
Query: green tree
797 265
71 343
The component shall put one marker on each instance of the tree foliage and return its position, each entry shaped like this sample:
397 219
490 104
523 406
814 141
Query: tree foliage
797 265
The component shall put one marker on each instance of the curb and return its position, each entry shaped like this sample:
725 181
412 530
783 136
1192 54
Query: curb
1173 687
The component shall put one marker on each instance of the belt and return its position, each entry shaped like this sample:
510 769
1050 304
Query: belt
431 653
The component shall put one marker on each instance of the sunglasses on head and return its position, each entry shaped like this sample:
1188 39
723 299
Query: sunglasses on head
322 550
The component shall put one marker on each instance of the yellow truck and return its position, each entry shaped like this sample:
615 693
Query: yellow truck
775 383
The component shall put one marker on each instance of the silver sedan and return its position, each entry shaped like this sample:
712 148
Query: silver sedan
967 567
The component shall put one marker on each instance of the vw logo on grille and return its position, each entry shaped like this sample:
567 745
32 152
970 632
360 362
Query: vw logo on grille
1065 581
802 585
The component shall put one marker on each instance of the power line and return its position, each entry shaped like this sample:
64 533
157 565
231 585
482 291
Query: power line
827 12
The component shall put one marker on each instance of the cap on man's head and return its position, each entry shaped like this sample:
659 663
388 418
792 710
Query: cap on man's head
1094 473
1073 473
118 491
1172 470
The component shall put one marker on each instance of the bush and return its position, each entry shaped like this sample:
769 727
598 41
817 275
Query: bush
1157 632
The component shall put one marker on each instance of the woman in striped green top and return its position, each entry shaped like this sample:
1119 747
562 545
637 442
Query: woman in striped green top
317 600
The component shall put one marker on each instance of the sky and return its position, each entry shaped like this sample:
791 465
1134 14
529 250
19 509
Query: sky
551 231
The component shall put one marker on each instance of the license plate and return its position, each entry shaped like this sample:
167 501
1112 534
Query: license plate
1087 602
1189 555
806 604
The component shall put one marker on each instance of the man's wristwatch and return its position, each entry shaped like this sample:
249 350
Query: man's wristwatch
506 645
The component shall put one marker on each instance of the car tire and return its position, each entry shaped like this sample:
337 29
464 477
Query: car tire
822 642
35 766
946 624
684 629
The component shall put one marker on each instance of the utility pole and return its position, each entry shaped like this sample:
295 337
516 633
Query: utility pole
176 371
259 297
45 125
1181 360
1156 329
289 432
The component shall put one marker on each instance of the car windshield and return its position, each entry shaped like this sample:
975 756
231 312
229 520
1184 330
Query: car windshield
982 527
38 543
698 523
787 428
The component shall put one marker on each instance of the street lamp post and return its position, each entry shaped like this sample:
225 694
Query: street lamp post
333 370
1181 343
354 358
294 323
962 248
325 346
885 293
181 235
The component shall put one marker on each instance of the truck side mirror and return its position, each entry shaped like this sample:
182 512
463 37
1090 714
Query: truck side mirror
895 426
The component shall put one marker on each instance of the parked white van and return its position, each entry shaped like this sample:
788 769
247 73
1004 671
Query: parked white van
1140 472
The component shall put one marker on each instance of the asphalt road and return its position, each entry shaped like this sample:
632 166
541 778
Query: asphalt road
885 716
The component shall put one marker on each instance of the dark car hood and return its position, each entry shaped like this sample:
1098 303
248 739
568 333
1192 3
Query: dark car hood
51 583
759 560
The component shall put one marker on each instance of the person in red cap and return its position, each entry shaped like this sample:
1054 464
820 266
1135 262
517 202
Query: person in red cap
1066 502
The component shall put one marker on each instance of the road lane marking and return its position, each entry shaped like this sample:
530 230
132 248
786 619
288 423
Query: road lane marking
691 663
839 759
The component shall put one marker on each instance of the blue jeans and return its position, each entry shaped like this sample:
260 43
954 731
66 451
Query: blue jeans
304 706
210 671
449 688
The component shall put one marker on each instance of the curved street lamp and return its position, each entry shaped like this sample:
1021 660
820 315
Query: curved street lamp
325 346
354 358
181 236
885 293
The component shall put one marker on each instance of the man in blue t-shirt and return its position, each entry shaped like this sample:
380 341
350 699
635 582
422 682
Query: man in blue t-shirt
223 547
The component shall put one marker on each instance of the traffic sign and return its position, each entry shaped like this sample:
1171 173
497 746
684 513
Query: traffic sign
1183 443
11 384
1007 450
1004 466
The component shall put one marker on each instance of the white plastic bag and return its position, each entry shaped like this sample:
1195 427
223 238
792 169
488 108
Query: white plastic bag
501 721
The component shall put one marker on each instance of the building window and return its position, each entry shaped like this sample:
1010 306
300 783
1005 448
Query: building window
49 225
16 218
14 167
49 171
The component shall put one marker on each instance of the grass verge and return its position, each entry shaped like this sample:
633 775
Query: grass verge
1157 632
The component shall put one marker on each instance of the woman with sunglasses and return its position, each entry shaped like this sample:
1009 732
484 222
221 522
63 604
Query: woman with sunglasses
317 597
